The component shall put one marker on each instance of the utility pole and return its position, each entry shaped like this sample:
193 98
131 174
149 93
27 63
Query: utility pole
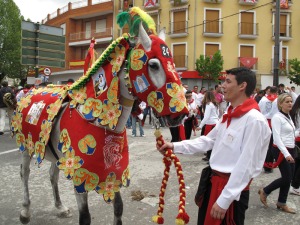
276 50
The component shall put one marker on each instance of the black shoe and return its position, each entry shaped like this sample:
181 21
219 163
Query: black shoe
205 159
267 170
1 133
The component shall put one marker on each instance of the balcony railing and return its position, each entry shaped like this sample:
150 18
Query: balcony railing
248 30
283 65
181 62
285 32
150 6
248 2
178 2
213 1
79 4
179 28
212 28
81 36
125 5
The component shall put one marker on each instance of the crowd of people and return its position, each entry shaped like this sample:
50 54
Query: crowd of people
255 129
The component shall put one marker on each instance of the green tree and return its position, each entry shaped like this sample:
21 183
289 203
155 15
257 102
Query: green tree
10 40
210 67
294 71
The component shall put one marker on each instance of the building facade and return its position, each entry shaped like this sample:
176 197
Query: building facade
243 30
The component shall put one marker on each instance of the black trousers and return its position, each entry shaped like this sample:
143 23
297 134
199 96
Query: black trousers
239 208
188 127
296 178
269 156
283 183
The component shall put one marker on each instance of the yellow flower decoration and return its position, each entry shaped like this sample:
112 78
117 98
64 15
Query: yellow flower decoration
136 56
53 109
84 180
64 141
39 150
24 102
117 58
69 163
20 140
87 144
109 187
16 122
113 90
45 131
126 177
110 115
29 144
178 101
155 100
77 96
92 108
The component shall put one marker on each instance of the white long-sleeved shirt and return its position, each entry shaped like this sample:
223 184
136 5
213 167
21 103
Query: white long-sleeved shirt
239 149
266 106
283 130
211 115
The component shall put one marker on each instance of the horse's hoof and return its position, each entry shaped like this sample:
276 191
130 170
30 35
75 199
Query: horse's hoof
64 214
24 220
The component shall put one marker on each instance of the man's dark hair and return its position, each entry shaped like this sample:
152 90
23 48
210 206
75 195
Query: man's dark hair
281 85
188 92
70 80
273 89
243 74
216 86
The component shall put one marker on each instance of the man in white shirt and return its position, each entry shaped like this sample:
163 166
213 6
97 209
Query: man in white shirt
239 144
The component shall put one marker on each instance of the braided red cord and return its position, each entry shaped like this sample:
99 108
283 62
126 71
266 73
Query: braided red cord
169 157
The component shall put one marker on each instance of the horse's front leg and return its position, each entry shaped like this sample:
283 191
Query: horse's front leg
83 208
54 176
118 209
24 172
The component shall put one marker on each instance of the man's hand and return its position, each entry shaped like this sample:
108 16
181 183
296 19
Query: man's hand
290 159
164 147
217 212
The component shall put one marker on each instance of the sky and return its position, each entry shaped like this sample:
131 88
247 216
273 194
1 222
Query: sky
37 10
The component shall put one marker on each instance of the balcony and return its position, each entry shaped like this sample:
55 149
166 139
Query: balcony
212 28
213 1
283 66
125 4
248 2
285 33
249 62
148 5
284 6
84 38
248 30
178 29
181 62
178 2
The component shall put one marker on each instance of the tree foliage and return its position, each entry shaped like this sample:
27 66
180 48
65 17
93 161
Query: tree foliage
294 71
10 40
210 67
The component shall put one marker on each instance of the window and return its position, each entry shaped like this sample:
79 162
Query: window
211 49
247 58
63 26
285 27
179 55
101 26
179 24
88 30
247 23
212 21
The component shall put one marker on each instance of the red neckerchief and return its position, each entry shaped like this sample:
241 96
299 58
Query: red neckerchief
240 110
272 97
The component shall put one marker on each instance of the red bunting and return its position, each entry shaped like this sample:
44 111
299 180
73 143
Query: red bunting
248 61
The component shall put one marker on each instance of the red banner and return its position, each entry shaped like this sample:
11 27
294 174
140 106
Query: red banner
284 4
248 61
150 3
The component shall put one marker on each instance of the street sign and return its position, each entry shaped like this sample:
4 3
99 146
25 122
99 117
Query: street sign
47 71
42 45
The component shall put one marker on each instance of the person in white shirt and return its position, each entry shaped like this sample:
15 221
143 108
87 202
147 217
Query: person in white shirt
189 121
238 152
283 130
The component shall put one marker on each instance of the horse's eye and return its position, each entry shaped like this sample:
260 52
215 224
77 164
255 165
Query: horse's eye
153 66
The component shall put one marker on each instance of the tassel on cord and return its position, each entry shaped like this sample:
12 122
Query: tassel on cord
169 157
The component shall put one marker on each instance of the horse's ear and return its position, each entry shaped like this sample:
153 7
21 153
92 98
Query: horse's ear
162 34
144 38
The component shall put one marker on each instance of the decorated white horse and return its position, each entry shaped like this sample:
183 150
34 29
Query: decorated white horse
81 128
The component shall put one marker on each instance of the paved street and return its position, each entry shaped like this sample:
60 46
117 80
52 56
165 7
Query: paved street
146 174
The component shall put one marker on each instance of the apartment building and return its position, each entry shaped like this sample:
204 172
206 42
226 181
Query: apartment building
243 30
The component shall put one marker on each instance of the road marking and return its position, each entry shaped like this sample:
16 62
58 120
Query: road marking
9 151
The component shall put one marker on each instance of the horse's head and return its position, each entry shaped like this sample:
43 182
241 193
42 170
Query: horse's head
154 79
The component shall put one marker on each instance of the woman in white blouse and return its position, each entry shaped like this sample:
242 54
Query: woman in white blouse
211 115
283 130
